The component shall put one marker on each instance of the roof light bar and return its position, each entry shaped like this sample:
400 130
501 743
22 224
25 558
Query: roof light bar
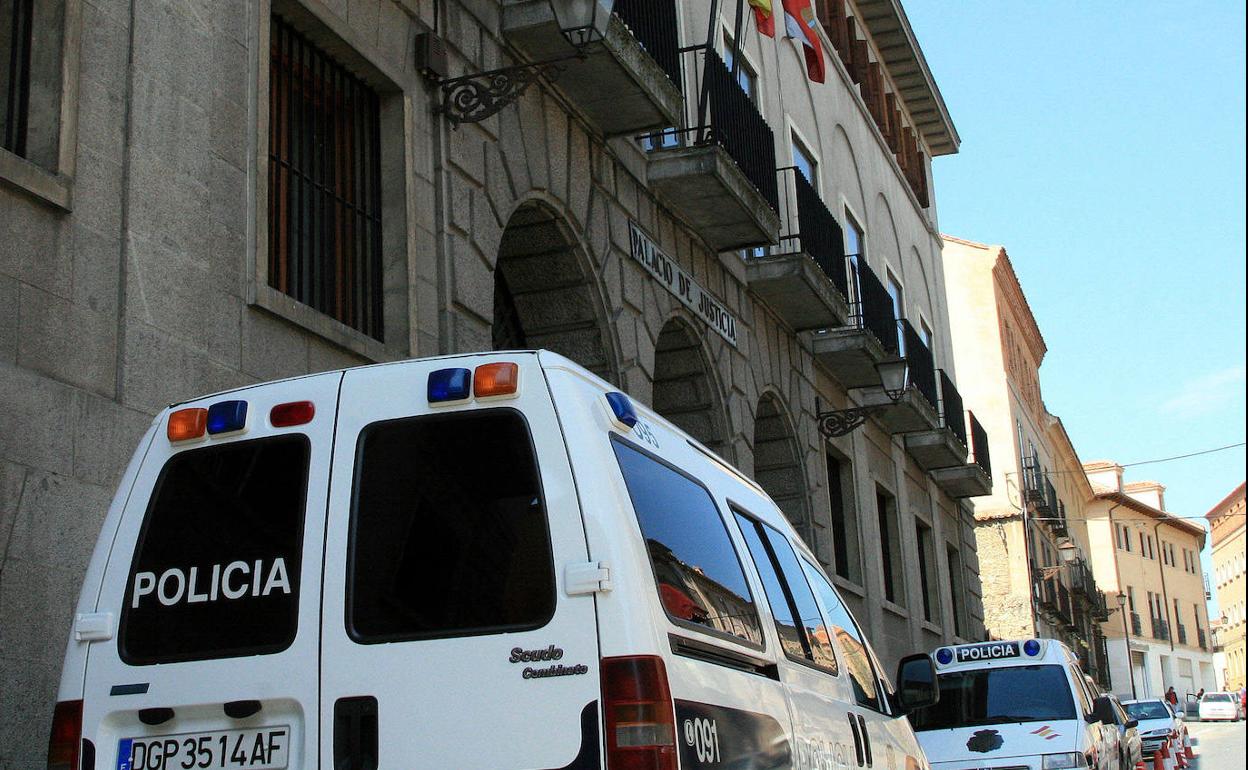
500 380
292 413
225 417
622 409
186 424
450 386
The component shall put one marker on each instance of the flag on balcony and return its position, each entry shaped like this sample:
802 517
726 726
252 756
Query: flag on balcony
799 22
763 17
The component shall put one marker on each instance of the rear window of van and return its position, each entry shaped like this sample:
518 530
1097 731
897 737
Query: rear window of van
215 573
449 533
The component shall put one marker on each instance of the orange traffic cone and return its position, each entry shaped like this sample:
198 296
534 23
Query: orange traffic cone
1180 758
1140 765
1187 749
1158 762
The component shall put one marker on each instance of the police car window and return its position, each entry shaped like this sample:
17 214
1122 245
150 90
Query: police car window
854 651
215 572
798 621
699 577
998 695
449 534
1081 690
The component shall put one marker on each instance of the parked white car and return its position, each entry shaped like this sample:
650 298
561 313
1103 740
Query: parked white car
1157 724
1219 705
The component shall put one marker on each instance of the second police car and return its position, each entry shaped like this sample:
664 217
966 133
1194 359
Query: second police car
1021 705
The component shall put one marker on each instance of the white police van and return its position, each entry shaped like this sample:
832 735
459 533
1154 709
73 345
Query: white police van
484 561
1016 705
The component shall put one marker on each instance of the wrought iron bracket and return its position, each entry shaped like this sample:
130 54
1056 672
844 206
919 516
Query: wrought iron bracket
842 422
473 98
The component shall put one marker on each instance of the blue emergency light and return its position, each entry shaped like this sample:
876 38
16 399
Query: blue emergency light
944 656
227 417
622 408
1031 647
450 385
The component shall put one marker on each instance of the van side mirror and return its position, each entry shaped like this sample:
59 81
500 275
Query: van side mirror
1131 724
917 686
1102 711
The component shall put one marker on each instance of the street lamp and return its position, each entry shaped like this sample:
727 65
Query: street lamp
473 98
1068 551
1126 634
895 381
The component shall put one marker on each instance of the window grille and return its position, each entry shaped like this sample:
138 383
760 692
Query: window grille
324 183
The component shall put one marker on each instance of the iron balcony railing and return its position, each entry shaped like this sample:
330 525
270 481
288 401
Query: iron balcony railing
952 413
1063 603
1137 625
1081 581
654 25
1100 608
719 112
1161 629
1059 517
922 366
1033 476
871 306
1182 629
979 445
1201 638
807 226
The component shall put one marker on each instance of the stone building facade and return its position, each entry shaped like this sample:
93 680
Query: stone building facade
1226 522
1149 560
243 191
1032 531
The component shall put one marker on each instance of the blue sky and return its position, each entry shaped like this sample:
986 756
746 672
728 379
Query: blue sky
1103 146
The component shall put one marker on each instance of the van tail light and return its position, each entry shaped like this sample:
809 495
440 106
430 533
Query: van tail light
66 737
638 714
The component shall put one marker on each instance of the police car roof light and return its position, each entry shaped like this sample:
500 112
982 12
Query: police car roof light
494 380
449 385
227 417
186 424
622 408
638 710
292 413
1031 647
944 656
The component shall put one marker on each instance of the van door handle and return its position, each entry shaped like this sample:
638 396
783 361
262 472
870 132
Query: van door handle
355 733
866 740
853 726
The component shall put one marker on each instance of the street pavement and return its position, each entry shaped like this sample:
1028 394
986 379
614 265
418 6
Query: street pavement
1217 745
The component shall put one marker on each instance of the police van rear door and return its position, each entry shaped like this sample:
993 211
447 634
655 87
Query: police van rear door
204 644
456 633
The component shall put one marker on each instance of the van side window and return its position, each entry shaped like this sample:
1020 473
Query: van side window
1081 689
849 639
216 567
700 578
448 529
798 621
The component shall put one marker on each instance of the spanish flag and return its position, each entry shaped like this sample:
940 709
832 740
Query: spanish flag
800 22
763 17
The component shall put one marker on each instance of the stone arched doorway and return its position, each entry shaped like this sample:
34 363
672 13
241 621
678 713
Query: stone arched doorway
684 388
778 464
544 296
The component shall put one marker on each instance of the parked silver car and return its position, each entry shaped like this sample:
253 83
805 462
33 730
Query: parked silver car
1157 723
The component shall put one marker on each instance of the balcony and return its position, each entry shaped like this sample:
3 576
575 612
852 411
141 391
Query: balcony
1182 635
915 411
1033 482
1137 626
851 352
1201 638
973 479
945 446
718 171
1058 522
628 83
803 278
1161 629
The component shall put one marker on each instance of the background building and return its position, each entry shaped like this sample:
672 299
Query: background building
1152 558
1226 521
1032 531
201 194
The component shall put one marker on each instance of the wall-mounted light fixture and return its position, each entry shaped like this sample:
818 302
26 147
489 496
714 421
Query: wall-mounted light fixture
473 98
895 379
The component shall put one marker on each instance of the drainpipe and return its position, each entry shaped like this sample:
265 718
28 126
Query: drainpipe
1161 570
1123 607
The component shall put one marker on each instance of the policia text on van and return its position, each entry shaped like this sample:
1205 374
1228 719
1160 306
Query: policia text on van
492 561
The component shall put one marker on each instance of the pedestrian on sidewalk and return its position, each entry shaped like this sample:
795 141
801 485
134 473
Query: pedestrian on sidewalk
1172 697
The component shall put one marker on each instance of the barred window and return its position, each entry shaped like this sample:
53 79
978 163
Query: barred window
15 41
324 183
